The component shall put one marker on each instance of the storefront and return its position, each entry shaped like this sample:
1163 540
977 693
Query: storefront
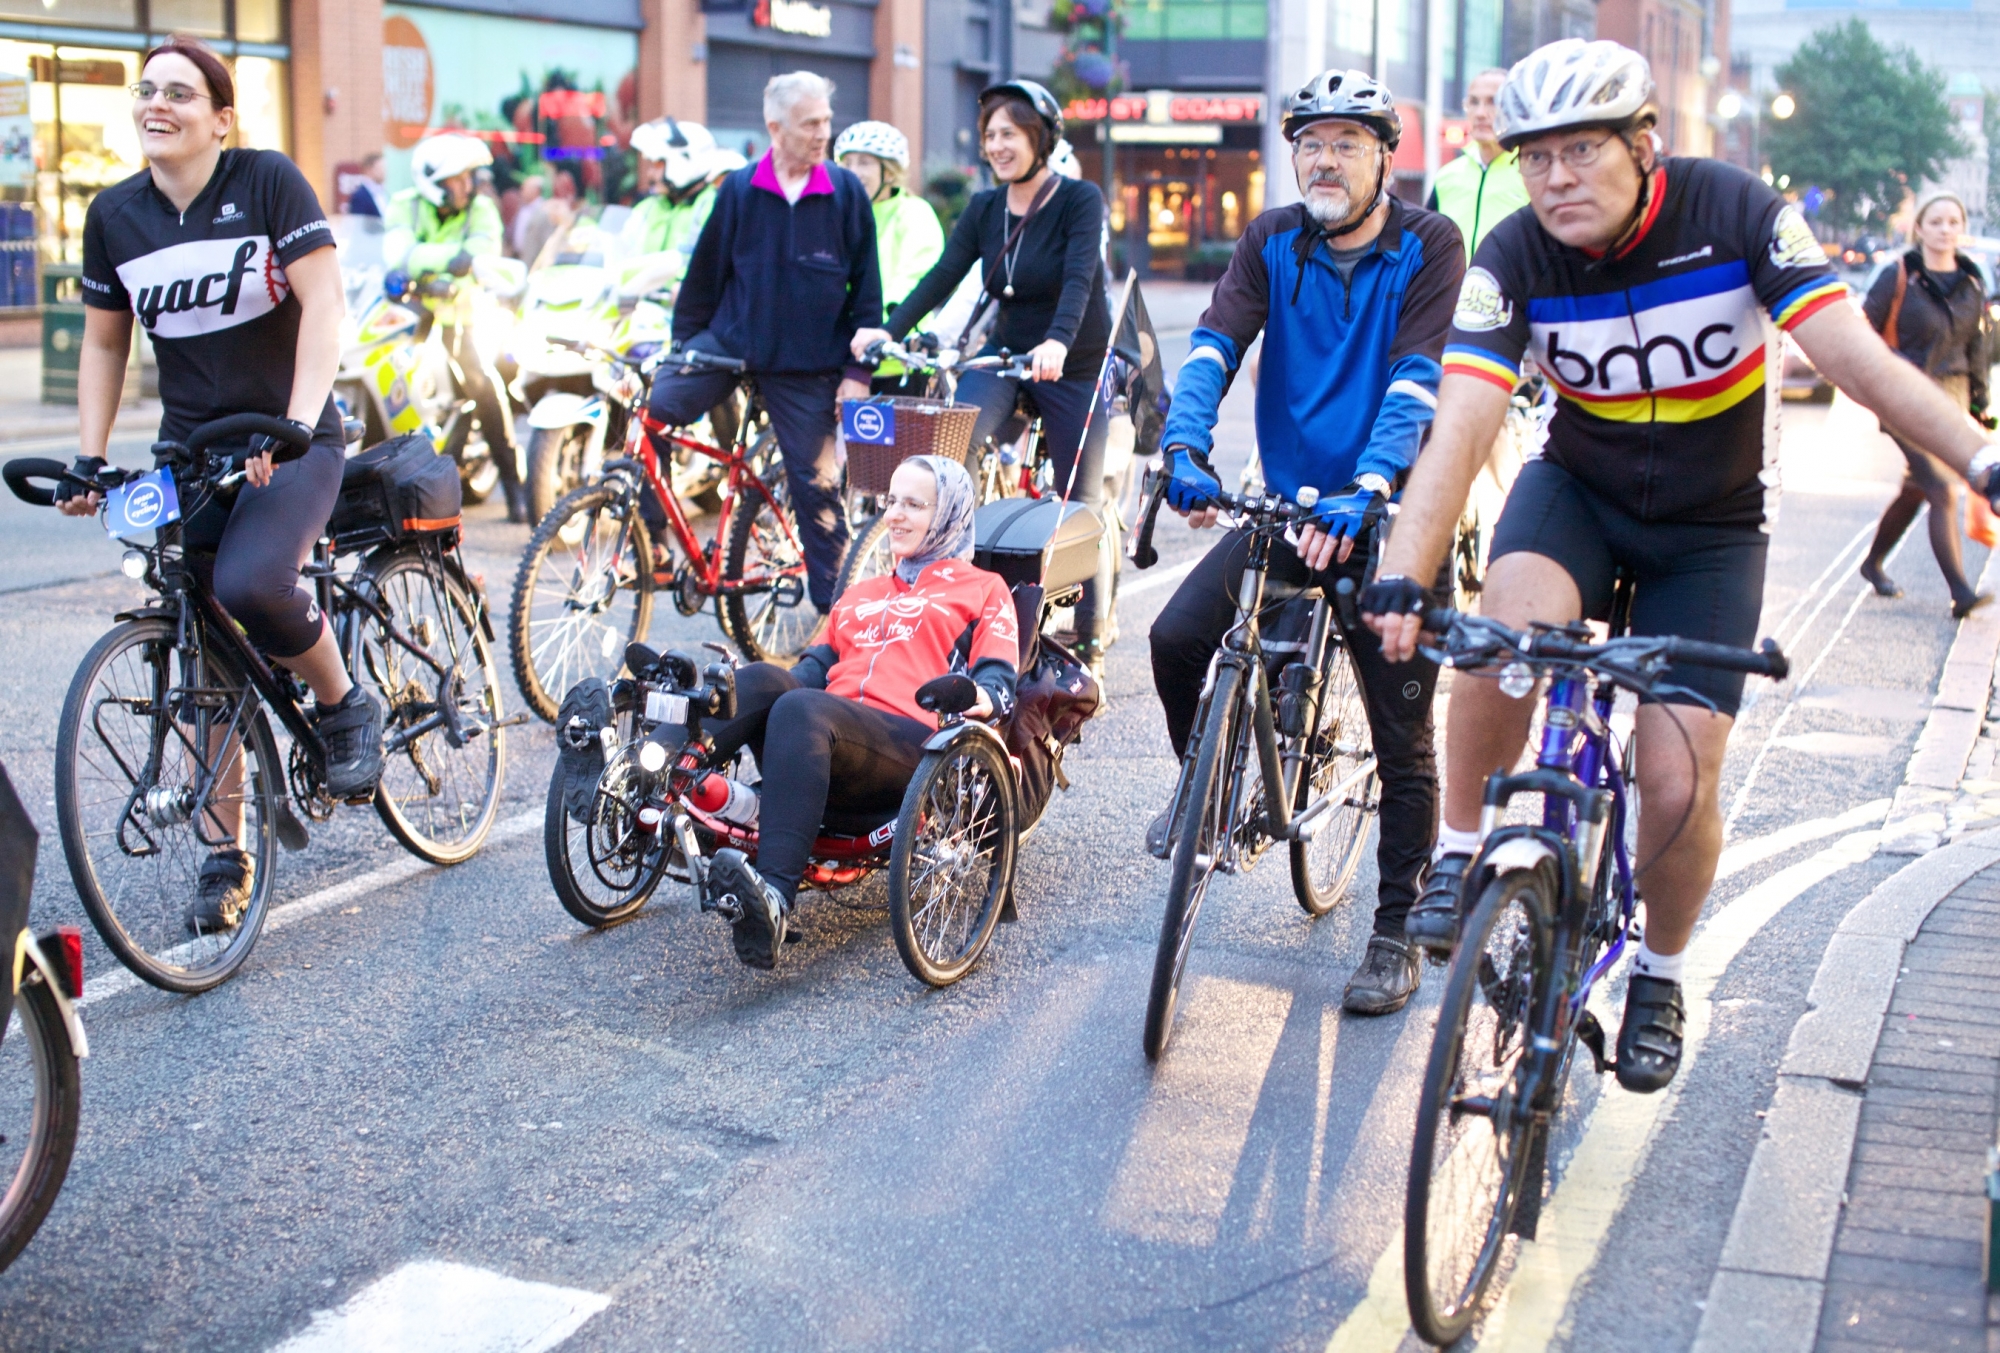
66 116
833 38
1188 173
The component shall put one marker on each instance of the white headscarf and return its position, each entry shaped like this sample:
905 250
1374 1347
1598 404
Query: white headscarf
950 533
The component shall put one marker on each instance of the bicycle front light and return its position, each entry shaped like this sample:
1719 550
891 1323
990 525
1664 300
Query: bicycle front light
652 757
133 565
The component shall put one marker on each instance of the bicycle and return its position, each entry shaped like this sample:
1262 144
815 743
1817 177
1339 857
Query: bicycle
584 590
165 751
1302 773
1553 914
41 1088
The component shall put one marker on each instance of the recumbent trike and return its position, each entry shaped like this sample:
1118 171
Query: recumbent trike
662 805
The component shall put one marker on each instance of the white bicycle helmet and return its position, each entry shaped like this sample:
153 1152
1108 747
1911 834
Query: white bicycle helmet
1574 84
874 138
1350 94
445 156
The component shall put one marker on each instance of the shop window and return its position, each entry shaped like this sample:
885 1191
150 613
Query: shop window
1195 19
96 13
259 21
203 18
260 103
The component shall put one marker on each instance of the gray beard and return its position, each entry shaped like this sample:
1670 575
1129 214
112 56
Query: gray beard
1329 211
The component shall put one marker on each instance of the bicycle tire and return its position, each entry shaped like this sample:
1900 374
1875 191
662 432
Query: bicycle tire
597 532
608 839
1201 824
868 557
1324 867
141 917
555 459
413 588
1511 928
54 1113
766 626
960 809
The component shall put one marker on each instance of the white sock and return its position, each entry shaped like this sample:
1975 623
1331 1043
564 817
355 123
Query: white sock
1451 842
1666 967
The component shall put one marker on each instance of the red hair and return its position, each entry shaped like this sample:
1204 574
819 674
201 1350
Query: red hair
221 87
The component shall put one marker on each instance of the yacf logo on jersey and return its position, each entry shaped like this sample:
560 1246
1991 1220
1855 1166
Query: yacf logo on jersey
204 286
1481 303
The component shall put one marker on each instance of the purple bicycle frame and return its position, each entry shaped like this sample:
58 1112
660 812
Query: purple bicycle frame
1575 745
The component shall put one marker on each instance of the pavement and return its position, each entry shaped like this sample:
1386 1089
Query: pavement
433 1112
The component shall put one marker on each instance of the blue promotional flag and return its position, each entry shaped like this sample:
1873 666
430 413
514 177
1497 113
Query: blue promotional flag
143 504
868 420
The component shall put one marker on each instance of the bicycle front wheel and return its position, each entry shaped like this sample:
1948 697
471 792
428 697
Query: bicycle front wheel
1200 839
153 775
583 592
953 861
429 662
41 1097
603 870
1323 867
1474 1132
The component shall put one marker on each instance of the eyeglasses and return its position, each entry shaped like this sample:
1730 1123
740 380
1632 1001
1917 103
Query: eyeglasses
1347 152
889 502
1536 164
176 94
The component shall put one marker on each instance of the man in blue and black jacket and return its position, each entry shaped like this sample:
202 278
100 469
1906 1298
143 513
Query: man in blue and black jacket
1353 290
783 273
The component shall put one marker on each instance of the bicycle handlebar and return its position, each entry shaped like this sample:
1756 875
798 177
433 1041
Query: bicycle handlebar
1266 509
22 473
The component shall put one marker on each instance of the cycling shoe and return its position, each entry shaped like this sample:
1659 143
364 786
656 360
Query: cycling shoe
352 732
1160 834
1649 1041
221 892
756 912
1432 924
1385 981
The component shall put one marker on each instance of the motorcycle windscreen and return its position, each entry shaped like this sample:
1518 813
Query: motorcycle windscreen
18 839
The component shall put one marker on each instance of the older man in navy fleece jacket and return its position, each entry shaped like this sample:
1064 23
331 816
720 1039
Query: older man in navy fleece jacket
783 274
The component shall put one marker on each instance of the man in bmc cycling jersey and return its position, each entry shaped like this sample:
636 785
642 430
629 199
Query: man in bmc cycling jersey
1641 285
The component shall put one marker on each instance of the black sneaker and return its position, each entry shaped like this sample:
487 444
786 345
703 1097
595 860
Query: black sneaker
1385 981
1432 924
352 732
755 910
580 724
221 892
1650 1039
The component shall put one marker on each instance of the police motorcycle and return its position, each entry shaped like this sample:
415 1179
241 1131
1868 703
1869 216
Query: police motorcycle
41 1042
639 794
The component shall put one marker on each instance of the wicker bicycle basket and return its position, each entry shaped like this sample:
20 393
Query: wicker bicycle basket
922 427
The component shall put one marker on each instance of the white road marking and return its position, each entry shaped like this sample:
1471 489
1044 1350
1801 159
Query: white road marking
1161 579
312 904
1615 1143
449 1308
1759 849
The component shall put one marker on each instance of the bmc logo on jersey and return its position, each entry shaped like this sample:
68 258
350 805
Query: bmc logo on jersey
205 286
1689 330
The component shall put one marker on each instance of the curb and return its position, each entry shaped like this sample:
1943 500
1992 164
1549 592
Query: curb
1771 1281
1918 821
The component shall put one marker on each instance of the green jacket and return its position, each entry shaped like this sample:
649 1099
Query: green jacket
908 242
657 226
1478 196
418 241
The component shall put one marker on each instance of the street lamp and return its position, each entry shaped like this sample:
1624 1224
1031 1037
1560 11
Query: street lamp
1729 106
1783 107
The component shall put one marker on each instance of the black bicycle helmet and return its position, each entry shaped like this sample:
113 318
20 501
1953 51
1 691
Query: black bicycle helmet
1350 94
1039 98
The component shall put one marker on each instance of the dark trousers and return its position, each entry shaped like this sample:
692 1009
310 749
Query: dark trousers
488 393
817 751
1064 407
801 406
248 550
1397 695
1926 479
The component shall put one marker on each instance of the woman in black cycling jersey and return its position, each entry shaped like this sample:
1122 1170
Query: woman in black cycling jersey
1047 279
227 259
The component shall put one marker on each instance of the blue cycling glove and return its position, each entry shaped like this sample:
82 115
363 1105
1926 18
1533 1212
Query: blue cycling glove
1191 483
1351 513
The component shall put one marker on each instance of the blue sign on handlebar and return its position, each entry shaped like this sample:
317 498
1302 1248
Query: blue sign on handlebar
866 420
144 504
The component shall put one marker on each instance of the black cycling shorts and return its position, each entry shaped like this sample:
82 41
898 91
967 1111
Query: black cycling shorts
1697 580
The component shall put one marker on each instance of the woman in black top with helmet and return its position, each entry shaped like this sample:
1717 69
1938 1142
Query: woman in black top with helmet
226 257
1049 290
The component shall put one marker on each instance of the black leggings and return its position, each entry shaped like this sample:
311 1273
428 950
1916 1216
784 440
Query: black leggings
249 552
818 752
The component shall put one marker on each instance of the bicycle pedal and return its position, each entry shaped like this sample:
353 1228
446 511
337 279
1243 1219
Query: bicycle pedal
1591 1034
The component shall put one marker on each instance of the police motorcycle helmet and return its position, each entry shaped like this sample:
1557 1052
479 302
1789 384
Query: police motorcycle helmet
446 156
1575 84
686 150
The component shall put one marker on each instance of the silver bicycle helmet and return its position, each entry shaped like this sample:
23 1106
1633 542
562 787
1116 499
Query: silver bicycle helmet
879 139
1573 84
1350 94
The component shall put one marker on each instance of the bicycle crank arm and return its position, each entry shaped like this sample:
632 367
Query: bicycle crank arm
1308 823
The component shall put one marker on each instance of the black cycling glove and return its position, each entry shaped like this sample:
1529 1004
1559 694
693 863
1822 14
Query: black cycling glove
460 265
85 467
1393 594
261 442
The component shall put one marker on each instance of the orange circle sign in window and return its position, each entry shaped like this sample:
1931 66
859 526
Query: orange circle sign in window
408 82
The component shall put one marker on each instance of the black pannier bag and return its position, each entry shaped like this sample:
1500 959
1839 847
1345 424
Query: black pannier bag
1055 696
1015 536
399 489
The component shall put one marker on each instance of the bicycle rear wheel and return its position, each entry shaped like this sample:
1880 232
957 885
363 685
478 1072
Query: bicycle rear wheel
1323 867
868 557
583 592
1200 839
446 752
145 792
1474 1133
41 1095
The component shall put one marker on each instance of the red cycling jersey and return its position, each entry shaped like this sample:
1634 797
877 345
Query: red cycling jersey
893 636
